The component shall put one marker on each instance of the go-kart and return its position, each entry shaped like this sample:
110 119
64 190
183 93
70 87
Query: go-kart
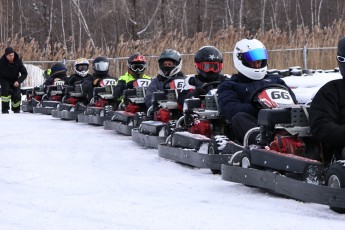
285 159
51 98
160 118
131 110
102 105
73 103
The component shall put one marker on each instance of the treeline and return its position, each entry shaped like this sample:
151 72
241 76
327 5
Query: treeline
224 40
68 29
107 23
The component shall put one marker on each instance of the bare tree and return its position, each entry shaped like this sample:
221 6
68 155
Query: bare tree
228 11
288 20
72 37
300 14
319 13
48 40
184 26
205 15
63 27
86 28
263 10
240 16
152 17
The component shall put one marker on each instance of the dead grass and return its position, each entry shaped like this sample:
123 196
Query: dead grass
224 40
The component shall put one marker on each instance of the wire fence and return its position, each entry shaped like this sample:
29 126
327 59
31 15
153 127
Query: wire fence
306 58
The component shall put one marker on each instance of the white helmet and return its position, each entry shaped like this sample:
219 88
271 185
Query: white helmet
81 66
247 51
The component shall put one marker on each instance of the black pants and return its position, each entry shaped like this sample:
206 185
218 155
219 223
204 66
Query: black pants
241 123
10 93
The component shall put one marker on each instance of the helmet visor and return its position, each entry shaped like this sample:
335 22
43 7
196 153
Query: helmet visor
82 67
210 66
101 66
137 67
255 55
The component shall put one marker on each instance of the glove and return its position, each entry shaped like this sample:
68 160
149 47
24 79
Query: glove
96 81
257 105
199 91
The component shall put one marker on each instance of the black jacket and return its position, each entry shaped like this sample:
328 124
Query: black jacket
158 84
327 116
234 94
94 80
51 79
71 80
10 72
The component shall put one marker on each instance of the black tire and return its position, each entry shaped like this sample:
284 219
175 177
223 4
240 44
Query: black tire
335 178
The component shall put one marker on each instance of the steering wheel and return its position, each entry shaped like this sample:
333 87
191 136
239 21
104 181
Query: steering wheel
253 98
212 83
169 80
262 88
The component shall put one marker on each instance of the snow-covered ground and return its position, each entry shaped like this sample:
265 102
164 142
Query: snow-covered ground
58 174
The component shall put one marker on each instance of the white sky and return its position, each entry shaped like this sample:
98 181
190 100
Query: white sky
58 174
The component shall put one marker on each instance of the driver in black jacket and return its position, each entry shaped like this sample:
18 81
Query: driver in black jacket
170 64
250 59
327 112
209 64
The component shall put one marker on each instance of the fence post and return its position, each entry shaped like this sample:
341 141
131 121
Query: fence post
117 68
305 57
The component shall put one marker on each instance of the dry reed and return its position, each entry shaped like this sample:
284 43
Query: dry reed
224 40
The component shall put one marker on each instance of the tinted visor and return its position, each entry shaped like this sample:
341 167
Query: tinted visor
82 67
210 66
101 66
255 55
137 67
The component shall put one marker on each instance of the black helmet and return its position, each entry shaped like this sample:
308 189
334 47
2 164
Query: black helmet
58 68
101 66
137 64
341 56
169 55
209 63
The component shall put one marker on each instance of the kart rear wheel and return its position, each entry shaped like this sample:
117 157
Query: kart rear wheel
212 150
335 178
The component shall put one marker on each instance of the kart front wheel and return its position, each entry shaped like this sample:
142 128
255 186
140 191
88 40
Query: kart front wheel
335 178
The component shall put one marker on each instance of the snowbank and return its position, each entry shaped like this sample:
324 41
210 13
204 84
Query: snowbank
35 76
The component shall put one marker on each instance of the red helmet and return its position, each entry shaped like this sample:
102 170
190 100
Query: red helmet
137 64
